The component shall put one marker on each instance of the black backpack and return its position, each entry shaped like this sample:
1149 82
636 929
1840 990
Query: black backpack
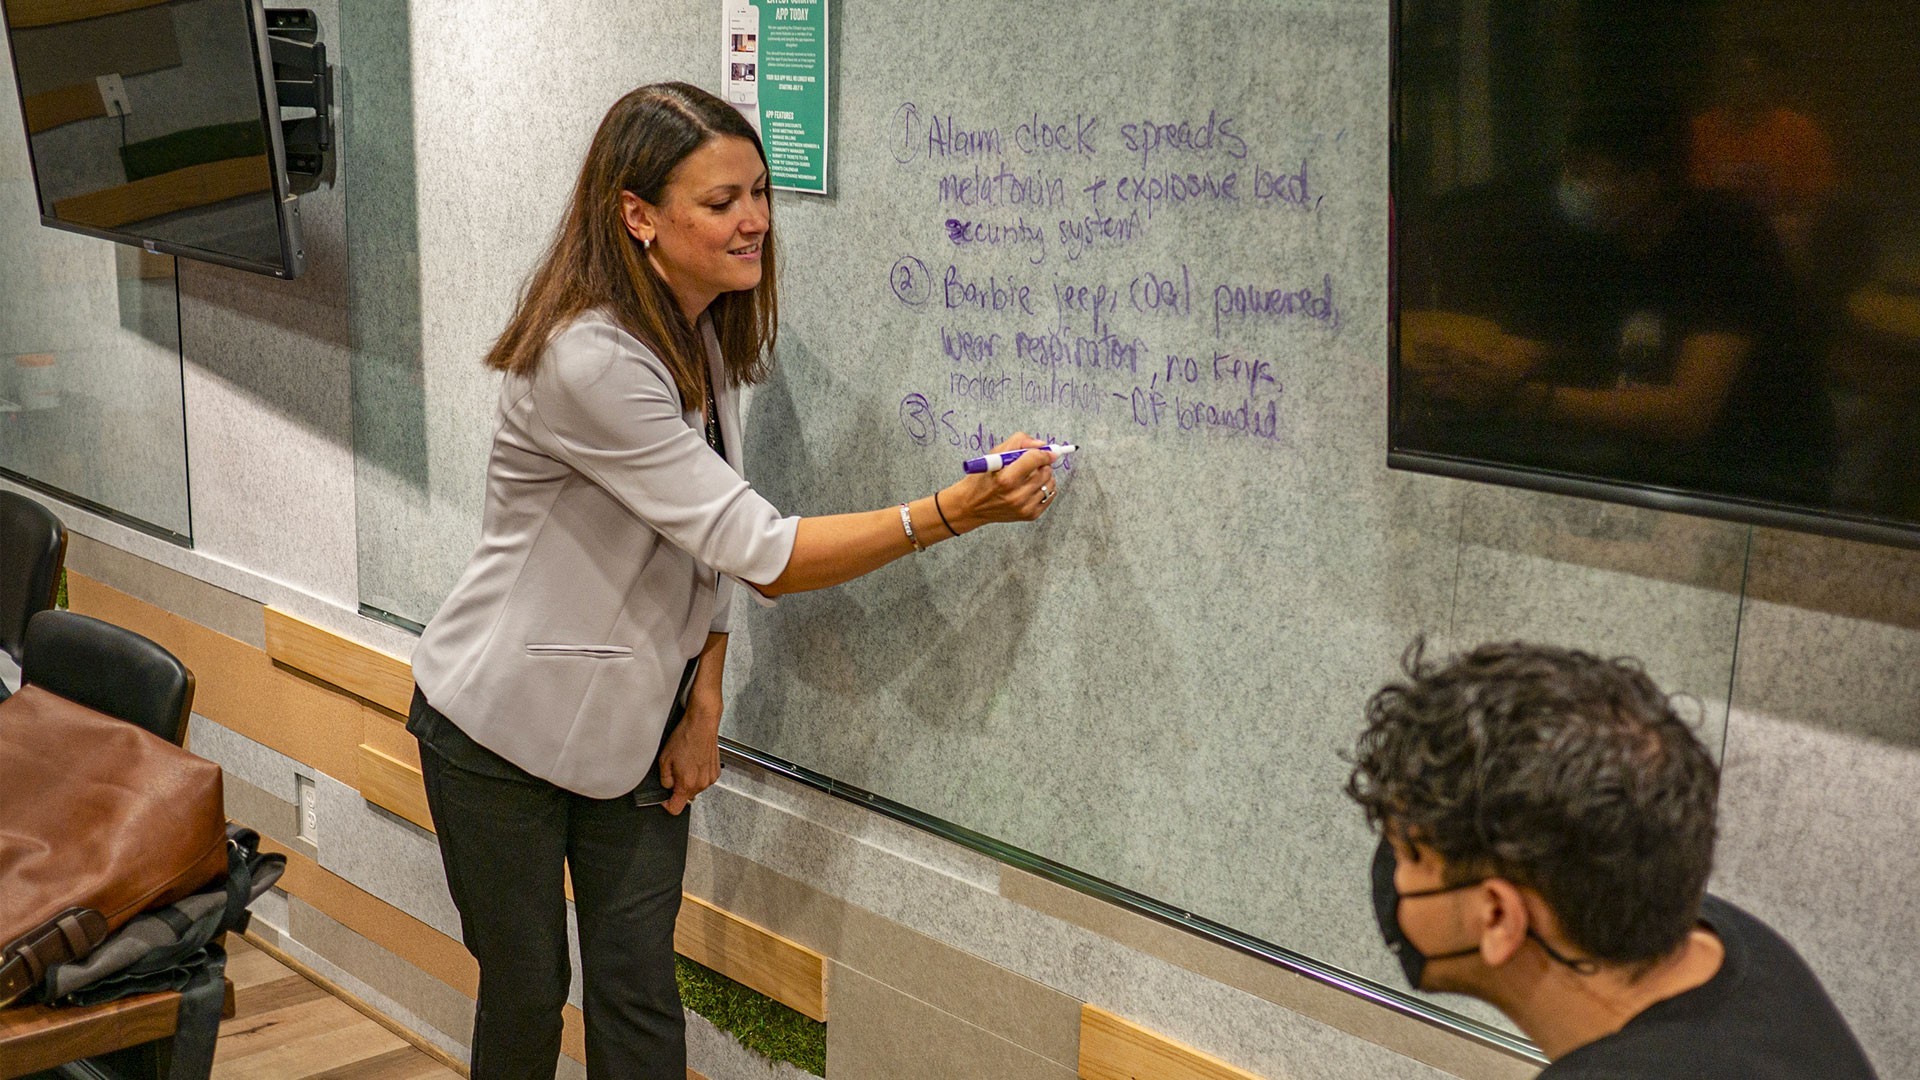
172 948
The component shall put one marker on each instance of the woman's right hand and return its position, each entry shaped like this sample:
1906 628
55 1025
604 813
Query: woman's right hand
840 547
1021 491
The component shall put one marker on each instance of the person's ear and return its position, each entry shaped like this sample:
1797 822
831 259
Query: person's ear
1502 920
639 216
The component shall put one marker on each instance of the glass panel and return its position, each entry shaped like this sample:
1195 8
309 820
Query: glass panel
1157 683
411 546
91 400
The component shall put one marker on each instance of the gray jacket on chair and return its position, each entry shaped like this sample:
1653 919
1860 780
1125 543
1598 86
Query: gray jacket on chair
609 533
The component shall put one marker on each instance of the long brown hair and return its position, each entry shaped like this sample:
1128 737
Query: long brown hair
595 262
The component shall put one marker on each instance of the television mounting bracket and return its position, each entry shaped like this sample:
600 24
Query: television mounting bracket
303 80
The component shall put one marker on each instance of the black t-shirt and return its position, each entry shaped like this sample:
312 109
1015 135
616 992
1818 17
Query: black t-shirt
1763 1016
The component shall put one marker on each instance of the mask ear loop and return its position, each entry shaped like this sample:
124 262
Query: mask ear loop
1578 967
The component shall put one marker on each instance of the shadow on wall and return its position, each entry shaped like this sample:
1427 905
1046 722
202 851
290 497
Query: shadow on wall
1680 549
856 639
291 343
941 638
1831 636
1838 577
148 294
389 392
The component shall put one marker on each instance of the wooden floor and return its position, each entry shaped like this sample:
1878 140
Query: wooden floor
286 1027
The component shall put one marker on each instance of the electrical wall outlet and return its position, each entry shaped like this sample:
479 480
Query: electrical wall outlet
113 94
307 823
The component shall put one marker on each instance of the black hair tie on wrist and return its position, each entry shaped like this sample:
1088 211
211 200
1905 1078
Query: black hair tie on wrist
943 515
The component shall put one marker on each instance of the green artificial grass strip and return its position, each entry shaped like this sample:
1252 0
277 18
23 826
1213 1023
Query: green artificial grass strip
194 146
762 1024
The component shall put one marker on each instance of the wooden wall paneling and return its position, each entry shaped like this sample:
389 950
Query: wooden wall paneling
394 786
1115 1049
240 688
387 681
789 973
748 954
399 933
245 689
385 733
751 955
406 937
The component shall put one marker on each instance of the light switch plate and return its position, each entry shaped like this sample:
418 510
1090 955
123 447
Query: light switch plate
307 824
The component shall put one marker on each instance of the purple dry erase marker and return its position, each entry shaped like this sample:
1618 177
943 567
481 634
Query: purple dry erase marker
995 462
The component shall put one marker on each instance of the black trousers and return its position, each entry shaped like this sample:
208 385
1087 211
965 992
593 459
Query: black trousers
506 837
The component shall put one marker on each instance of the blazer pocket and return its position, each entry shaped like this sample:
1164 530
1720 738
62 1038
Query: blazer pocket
592 652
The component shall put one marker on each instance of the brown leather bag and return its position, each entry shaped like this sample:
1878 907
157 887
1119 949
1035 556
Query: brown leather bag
99 821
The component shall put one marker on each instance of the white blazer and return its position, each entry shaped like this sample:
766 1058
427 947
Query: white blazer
609 523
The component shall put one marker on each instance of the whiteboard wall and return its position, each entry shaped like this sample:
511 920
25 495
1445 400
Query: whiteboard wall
1034 208
1159 232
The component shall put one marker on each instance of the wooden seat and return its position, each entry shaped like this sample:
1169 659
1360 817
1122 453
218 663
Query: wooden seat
37 1037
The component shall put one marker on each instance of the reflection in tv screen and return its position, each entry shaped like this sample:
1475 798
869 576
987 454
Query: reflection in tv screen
146 124
1670 247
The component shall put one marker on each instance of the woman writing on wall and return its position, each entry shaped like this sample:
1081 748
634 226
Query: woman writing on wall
615 525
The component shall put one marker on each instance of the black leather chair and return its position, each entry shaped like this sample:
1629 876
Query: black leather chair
111 669
33 547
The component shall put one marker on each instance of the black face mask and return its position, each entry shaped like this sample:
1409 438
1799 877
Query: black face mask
1386 909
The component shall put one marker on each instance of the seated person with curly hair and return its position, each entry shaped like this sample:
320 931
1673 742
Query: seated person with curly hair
1547 828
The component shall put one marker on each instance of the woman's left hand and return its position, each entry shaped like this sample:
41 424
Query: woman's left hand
690 762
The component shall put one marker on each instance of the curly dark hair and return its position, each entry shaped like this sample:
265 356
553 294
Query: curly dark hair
1558 771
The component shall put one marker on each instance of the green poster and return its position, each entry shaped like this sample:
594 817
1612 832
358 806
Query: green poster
776 72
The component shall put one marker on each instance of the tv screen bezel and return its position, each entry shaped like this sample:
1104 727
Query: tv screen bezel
1799 518
286 203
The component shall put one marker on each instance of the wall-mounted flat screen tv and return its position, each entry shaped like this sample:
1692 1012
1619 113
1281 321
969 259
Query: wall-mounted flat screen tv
157 124
1663 253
